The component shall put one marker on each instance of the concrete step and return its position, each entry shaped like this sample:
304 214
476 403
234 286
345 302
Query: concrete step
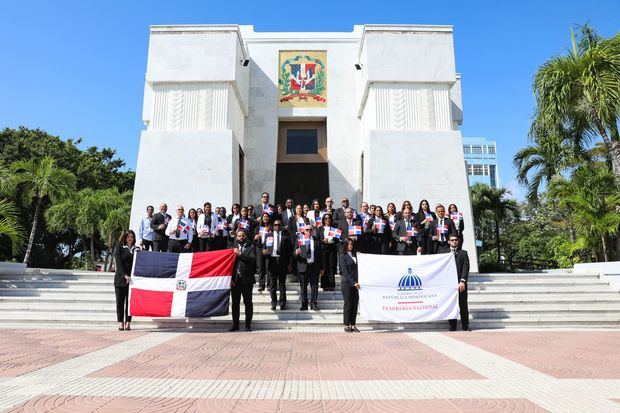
559 289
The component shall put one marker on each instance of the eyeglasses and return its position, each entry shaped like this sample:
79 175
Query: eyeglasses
454 239
277 225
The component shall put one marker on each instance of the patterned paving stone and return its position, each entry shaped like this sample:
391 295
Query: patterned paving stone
295 356
561 354
57 404
23 351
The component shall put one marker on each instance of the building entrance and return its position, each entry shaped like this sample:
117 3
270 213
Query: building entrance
302 169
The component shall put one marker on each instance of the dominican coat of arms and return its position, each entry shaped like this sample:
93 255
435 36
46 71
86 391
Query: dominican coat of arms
303 79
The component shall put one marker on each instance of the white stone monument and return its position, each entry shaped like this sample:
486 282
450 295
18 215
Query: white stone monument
373 114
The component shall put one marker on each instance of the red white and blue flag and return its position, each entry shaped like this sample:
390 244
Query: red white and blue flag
243 224
318 221
355 230
181 285
411 231
269 209
334 233
263 231
442 229
301 227
379 225
456 216
303 239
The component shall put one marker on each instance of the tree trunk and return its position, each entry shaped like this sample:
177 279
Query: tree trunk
499 257
84 249
92 251
613 147
605 256
33 231
113 260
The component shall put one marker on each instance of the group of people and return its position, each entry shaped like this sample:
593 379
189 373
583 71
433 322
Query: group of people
311 241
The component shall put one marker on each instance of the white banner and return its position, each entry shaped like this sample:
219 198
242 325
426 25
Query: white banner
408 288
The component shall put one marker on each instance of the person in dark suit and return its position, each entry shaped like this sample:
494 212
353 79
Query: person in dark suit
329 254
159 222
462 275
425 222
453 214
308 259
346 224
442 227
124 263
381 234
288 216
349 286
265 206
407 244
243 280
278 251
340 214
261 232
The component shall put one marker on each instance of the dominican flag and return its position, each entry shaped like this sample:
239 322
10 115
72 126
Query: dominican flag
442 230
355 230
318 221
301 227
411 231
269 209
222 226
243 224
263 231
379 225
181 285
334 233
392 223
456 216
183 228
303 240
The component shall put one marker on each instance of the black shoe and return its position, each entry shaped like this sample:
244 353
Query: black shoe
452 329
313 307
466 329
248 328
303 308
354 329
234 328
347 329
282 306
273 307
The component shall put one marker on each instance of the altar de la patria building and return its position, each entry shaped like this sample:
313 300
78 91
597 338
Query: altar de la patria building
373 114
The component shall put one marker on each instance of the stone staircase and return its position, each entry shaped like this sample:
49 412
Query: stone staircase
35 298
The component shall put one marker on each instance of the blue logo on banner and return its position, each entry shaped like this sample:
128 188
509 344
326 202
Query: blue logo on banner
410 282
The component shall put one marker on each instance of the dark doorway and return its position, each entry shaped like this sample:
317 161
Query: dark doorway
302 181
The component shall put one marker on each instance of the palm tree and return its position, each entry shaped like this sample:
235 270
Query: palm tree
117 207
494 202
551 153
583 88
9 226
40 181
591 196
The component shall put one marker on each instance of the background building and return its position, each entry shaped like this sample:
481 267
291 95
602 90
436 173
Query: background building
481 158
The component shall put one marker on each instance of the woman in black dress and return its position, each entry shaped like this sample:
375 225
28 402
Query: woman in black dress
381 233
457 218
349 286
124 263
425 221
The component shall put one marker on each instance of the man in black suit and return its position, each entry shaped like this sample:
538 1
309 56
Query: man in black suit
442 228
159 222
265 206
349 220
278 252
308 258
462 274
407 243
288 214
243 280
340 214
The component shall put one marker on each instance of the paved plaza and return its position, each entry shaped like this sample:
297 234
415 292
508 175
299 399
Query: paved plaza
309 370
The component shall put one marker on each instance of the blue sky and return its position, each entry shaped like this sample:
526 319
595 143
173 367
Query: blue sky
76 68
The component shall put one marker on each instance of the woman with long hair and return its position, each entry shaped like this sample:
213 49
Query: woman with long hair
192 215
329 252
425 221
457 219
381 233
392 217
349 286
122 277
